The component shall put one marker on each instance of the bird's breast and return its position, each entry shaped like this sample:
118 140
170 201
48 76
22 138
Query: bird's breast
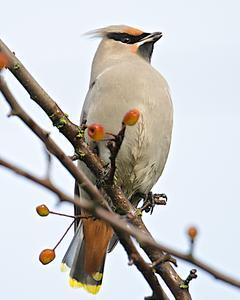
145 147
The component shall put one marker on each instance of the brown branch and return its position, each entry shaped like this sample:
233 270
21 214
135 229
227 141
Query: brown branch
114 220
114 147
73 134
52 147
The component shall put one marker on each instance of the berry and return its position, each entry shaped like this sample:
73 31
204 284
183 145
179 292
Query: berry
46 256
131 117
192 232
96 131
42 210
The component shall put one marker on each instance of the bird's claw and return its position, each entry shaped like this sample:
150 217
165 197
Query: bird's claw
151 200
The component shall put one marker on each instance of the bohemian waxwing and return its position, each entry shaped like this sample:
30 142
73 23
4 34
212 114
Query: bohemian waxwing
122 78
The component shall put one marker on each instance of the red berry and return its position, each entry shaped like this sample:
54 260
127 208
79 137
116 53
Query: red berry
42 210
46 256
192 232
131 117
96 131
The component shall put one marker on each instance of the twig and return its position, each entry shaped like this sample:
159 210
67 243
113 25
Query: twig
192 275
65 233
164 259
69 216
49 162
114 147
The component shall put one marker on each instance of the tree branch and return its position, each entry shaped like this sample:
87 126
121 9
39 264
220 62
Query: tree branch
73 134
118 223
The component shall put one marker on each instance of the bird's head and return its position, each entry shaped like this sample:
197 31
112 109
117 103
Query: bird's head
118 40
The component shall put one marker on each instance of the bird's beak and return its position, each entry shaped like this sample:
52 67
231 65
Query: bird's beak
151 38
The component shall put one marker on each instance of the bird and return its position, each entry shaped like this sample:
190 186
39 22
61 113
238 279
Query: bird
122 78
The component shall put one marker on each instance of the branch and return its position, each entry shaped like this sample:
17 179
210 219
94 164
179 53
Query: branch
118 223
114 147
73 134
52 147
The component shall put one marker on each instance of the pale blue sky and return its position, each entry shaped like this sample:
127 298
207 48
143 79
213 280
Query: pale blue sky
199 57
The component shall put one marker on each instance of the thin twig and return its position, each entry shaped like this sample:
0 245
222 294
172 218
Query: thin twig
114 146
65 233
192 275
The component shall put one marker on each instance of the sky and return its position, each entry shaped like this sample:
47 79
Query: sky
199 57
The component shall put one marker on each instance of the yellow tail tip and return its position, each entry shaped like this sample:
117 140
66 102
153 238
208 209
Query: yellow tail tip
92 289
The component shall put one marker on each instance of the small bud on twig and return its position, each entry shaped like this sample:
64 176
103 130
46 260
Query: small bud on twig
192 275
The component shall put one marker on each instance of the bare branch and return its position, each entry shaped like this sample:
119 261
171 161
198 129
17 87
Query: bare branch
52 147
118 223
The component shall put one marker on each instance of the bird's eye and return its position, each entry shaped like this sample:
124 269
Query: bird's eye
126 40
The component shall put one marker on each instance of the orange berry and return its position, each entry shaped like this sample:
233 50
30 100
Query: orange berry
46 256
192 232
3 60
96 131
131 117
42 210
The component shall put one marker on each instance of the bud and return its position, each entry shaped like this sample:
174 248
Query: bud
42 210
96 131
46 256
131 117
192 232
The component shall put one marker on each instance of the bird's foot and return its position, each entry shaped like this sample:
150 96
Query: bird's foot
151 200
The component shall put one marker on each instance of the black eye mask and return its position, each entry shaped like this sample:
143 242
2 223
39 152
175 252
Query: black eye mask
125 37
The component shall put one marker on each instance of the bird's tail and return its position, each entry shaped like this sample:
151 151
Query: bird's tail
86 254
